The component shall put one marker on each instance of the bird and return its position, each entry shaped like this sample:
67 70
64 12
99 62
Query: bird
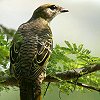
30 51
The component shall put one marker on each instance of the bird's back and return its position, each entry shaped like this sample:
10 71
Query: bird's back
36 36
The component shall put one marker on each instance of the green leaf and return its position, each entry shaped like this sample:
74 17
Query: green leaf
69 45
80 47
87 51
75 47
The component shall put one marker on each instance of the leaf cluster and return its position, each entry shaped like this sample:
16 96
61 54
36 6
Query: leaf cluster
70 57
5 37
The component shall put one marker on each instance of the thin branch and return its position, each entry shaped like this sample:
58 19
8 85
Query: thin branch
85 86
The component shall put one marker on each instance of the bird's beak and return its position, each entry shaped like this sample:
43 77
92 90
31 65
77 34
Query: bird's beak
62 10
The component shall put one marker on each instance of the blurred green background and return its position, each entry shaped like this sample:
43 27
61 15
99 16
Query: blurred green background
13 94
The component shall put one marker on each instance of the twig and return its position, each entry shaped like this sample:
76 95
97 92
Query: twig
85 86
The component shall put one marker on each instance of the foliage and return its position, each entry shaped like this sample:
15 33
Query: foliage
64 58
70 57
5 39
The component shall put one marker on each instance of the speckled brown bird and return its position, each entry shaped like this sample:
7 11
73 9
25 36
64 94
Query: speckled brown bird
30 51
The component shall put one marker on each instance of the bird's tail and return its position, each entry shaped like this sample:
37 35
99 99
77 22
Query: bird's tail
30 90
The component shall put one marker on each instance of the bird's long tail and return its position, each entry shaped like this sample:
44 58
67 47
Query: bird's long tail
30 90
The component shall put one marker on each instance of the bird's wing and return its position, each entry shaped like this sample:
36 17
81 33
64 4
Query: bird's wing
44 47
43 51
14 51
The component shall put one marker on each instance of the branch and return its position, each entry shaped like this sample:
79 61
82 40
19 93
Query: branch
67 75
9 81
85 86
79 72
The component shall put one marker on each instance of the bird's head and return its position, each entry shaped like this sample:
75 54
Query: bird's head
48 11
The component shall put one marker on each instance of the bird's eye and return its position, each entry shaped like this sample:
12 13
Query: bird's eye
53 7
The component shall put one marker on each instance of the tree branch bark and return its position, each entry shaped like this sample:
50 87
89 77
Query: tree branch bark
67 75
79 72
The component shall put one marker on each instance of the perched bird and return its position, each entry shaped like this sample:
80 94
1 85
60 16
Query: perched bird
30 51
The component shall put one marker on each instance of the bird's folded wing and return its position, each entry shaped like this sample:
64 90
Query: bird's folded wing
14 50
43 52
